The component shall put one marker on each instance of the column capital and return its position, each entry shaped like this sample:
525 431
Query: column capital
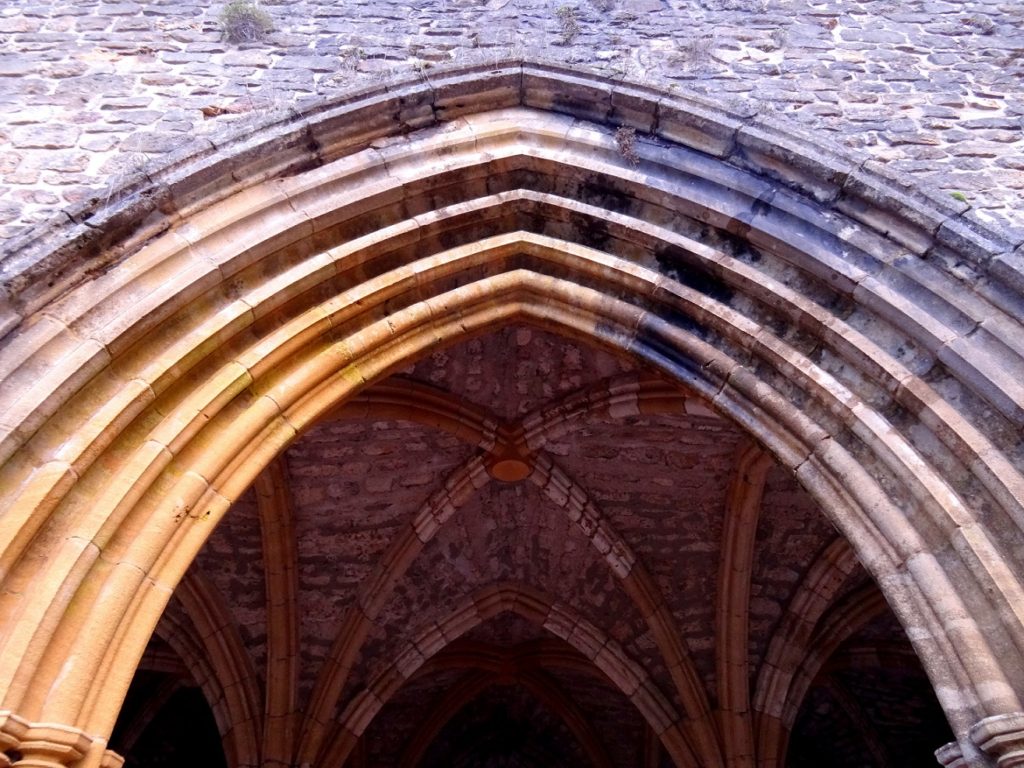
51 745
1001 737
951 756
12 730
25 744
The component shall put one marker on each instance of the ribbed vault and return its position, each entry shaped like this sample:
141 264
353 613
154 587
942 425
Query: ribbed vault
857 339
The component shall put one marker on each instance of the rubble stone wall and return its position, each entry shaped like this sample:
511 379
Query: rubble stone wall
93 90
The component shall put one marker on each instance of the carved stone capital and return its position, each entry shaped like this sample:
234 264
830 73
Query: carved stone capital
1001 737
12 730
51 745
951 756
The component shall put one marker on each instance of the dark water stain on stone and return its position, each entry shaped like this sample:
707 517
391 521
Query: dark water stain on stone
678 264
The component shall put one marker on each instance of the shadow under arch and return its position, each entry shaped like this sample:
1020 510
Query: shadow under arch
206 639
539 686
542 610
106 423
566 496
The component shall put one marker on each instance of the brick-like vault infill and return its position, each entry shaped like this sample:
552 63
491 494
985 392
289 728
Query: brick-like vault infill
161 350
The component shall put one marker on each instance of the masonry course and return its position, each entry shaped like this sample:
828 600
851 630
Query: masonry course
932 89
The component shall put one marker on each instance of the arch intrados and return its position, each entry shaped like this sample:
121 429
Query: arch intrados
705 315
303 225
749 284
574 320
896 375
962 433
537 683
554 617
810 476
767 197
213 652
948 426
569 317
762 201
211 397
839 624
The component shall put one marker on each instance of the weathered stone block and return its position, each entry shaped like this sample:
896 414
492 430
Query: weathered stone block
45 136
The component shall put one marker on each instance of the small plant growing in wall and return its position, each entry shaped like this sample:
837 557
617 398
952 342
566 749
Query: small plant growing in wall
776 40
983 24
570 27
242 21
625 140
694 55
350 57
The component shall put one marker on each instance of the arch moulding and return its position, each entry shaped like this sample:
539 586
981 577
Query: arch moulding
161 349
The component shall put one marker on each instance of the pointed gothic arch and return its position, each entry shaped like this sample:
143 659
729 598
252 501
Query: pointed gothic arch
161 350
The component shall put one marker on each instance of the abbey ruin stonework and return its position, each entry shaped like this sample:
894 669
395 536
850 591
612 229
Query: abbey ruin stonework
607 383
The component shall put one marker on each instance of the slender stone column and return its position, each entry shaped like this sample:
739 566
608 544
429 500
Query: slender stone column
1001 737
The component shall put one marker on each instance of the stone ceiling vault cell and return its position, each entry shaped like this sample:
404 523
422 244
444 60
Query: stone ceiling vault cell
162 352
